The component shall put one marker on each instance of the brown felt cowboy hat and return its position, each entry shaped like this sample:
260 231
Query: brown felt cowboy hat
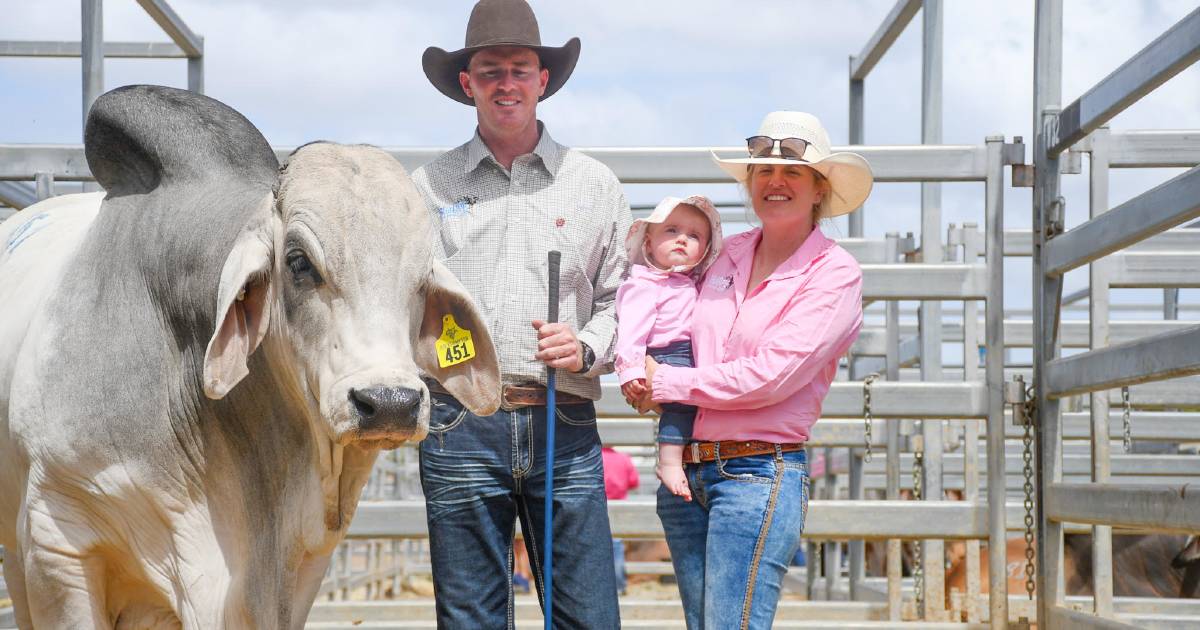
499 23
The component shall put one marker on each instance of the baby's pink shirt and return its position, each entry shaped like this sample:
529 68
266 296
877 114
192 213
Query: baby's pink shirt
765 359
653 310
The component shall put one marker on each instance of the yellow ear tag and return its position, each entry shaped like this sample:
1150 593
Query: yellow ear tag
455 345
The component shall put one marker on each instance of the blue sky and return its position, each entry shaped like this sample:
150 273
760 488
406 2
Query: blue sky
661 73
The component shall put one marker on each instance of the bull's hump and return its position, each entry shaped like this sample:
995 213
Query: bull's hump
141 136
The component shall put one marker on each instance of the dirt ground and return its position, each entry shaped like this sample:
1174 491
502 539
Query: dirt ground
415 587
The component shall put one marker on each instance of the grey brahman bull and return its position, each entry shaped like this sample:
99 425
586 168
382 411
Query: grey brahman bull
199 368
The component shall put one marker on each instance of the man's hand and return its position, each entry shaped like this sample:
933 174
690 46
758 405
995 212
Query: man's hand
558 347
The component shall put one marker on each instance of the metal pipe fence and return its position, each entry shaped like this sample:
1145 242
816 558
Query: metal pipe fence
902 397
894 401
919 410
1169 354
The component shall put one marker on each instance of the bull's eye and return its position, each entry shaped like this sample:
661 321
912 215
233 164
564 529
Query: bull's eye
302 268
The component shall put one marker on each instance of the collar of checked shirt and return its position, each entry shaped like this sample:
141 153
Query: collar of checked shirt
546 150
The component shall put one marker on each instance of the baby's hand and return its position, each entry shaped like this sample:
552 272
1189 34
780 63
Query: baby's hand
634 389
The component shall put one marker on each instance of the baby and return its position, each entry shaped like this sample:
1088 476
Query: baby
669 251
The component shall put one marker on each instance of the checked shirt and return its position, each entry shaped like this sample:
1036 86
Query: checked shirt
495 228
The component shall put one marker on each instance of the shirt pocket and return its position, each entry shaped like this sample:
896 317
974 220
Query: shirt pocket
580 238
583 239
454 223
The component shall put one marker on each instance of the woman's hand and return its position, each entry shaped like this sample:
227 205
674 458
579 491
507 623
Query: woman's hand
651 368
645 402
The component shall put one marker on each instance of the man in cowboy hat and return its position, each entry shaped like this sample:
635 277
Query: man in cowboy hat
501 202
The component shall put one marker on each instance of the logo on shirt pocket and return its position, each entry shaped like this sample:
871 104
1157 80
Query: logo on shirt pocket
720 283
460 207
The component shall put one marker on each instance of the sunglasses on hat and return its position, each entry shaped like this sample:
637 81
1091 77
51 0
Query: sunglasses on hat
789 148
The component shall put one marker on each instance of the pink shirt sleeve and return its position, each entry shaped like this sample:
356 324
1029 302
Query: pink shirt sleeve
819 327
637 309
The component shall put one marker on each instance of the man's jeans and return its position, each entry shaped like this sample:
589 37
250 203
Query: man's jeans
479 475
732 544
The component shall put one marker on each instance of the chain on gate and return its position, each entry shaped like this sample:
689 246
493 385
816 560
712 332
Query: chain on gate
867 417
918 573
1030 409
1127 423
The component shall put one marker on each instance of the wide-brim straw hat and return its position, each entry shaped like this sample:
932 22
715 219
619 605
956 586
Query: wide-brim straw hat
849 174
499 23
636 238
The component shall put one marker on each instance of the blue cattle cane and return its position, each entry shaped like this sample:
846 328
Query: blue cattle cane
553 259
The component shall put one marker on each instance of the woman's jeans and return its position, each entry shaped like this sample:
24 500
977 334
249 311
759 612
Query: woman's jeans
732 544
675 422
481 474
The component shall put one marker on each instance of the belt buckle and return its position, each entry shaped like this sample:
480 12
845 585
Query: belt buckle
505 403
511 399
695 452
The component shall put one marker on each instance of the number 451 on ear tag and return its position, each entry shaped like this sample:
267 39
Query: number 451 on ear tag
455 345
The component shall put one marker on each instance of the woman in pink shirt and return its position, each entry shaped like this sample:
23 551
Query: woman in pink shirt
776 310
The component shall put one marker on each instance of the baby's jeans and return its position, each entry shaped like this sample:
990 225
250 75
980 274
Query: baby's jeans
675 423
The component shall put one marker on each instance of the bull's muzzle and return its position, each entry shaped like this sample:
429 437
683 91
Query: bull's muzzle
385 411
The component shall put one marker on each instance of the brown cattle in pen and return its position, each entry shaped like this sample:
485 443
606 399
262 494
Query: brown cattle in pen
1149 565
1153 565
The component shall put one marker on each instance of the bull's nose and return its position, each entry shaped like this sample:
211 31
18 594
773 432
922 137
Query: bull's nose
386 407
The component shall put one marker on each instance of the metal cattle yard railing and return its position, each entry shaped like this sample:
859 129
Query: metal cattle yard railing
891 401
92 51
898 424
1056 250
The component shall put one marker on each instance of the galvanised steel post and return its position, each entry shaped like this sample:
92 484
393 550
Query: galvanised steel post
1048 214
969 237
933 559
92 50
994 376
856 548
92 55
1171 303
196 72
856 138
831 555
892 363
44 185
1099 273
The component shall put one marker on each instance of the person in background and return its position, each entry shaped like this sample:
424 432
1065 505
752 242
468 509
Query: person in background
776 311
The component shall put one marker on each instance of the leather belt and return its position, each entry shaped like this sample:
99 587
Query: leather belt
697 452
523 395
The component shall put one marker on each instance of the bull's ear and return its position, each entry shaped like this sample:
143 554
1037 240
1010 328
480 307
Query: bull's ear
243 313
475 383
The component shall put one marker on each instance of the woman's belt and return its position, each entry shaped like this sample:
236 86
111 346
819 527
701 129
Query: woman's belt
697 452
